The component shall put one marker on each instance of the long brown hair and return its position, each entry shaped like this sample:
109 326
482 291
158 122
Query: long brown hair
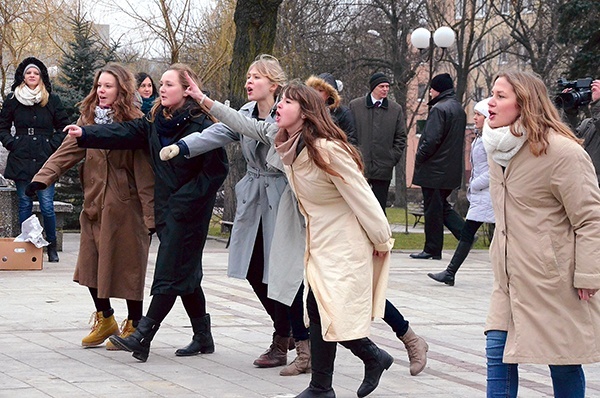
319 124
269 66
124 106
195 108
538 114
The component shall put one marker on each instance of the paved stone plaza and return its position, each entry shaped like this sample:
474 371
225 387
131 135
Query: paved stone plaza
43 316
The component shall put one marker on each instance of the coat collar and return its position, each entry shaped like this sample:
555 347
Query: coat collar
370 104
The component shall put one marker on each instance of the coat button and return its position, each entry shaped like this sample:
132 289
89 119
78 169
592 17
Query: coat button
266 184
244 201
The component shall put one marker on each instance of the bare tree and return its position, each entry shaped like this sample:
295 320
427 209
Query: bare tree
533 27
476 31
167 22
31 27
256 24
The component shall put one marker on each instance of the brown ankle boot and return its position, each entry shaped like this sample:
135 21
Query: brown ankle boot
127 330
276 355
102 328
417 348
301 364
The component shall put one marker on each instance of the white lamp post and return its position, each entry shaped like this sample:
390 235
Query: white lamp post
422 39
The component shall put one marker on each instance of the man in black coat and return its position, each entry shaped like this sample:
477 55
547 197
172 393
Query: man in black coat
438 165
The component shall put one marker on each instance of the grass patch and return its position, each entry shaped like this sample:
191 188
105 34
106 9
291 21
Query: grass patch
411 241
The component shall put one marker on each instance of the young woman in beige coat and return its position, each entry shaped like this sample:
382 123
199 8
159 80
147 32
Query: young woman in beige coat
348 237
547 243
118 207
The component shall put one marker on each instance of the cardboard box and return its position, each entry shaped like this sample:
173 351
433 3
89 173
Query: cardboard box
20 255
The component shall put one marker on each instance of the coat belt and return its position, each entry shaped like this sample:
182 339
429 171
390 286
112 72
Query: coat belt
33 131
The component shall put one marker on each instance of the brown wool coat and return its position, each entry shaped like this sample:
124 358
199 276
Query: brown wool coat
118 211
546 246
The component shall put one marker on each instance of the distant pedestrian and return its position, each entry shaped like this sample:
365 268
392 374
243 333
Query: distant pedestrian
478 194
38 117
381 134
439 165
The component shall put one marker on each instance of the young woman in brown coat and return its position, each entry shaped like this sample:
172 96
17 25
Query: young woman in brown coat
118 207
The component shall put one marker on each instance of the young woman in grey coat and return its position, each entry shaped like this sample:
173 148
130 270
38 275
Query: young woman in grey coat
267 239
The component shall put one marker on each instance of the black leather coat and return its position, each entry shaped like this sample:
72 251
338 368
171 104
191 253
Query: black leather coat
439 159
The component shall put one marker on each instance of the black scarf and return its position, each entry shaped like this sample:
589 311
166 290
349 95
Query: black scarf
169 128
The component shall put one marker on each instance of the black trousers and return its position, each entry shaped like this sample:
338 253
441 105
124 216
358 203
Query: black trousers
279 313
381 189
438 212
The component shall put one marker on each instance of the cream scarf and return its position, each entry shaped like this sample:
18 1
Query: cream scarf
501 144
27 96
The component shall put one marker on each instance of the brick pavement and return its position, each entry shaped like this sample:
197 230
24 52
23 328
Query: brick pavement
43 316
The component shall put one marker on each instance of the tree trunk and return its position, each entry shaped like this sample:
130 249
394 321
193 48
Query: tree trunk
255 28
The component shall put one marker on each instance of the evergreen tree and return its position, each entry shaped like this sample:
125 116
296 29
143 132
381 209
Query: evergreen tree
578 26
85 54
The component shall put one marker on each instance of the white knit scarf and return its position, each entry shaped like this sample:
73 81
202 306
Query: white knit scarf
27 96
501 144
103 115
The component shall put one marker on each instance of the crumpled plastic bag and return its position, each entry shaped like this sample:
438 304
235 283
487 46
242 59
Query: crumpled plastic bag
31 231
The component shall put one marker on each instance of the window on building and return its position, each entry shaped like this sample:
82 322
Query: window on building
478 94
480 9
481 50
459 9
527 6
421 92
505 7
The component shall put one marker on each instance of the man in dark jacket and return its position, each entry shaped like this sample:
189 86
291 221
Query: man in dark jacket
381 133
438 165
589 128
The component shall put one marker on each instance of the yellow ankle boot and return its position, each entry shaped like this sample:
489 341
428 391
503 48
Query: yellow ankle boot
101 329
127 329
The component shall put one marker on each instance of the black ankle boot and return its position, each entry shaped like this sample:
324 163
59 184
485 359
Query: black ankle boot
445 276
376 362
52 253
316 392
202 342
139 341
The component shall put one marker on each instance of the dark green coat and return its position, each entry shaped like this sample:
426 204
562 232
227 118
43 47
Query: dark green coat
184 196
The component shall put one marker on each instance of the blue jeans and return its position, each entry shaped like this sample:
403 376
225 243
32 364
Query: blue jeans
568 381
46 199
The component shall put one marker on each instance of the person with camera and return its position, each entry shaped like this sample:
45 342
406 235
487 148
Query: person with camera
588 128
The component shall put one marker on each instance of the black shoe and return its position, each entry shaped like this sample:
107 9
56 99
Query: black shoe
202 342
425 256
444 277
315 392
52 253
139 341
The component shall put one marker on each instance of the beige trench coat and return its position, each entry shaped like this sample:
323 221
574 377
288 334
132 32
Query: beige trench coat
344 223
546 246
118 211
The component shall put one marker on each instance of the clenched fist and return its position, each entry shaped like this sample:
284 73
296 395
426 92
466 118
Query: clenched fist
169 152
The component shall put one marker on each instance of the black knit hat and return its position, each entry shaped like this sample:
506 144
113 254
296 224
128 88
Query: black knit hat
376 79
442 82
329 79
20 73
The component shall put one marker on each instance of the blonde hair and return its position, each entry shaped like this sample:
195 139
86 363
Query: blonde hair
269 66
45 94
538 115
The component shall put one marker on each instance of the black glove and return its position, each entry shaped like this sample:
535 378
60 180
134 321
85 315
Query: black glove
33 187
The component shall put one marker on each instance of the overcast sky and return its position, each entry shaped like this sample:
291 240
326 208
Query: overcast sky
122 26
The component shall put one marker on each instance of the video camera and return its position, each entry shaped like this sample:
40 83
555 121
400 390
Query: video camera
579 95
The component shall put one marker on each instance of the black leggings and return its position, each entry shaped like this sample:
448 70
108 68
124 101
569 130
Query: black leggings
134 307
161 304
278 312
